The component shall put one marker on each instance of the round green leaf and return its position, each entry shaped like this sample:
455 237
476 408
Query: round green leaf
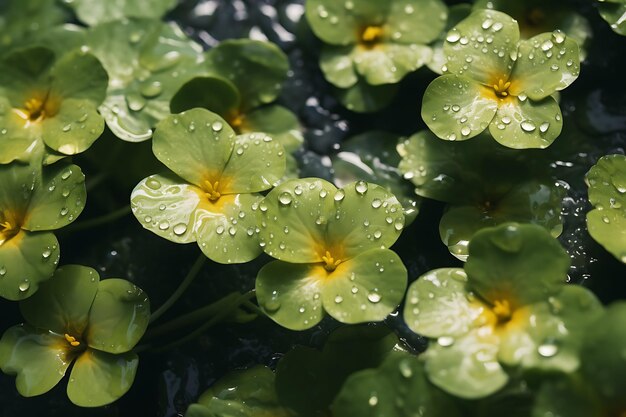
416 21
365 98
237 59
372 157
336 62
226 230
196 145
566 396
38 358
294 218
482 47
256 163
367 287
545 63
520 264
456 13
147 62
527 124
614 12
336 24
223 98
290 294
438 305
118 317
62 304
57 199
607 192
93 12
397 388
531 202
276 121
388 63
468 367
248 393
458 108
26 260
366 217
99 378
548 335
603 364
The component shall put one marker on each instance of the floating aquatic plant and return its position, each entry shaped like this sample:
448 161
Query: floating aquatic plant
77 319
495 82
48 104
33 203
212 194
331 245
508 308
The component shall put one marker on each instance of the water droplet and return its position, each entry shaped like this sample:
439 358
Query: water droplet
544 127
66 174
373 401
338 299
24 286
285 198
217 126
453 36
548 349
466 130
405 369
3 271
180 229
67 128
164 225
151 89
528 126
46 254
374 297
376 203
445 341
339 195
153 183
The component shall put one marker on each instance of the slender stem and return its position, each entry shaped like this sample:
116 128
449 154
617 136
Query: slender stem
191 275
98 221
95 181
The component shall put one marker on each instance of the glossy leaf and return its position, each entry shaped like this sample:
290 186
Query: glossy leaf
365 98
336 62
223 98
458 108
147 62
62 304
607 192
480 47
276 121
290 294
365 288
456 13
614 12
118 317
38 358
416 21
468 366
521 264
372 157
567 396
388 63
99 378
93 12
438 305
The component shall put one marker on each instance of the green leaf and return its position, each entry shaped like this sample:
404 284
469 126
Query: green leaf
62 304
293 220
195 144
237 59
482 46
38 358
256 164
372 157
57 199
520 264
247 393
365 288
466 367
99 378
603 364
457 107
438 305
336 62
118 317
365 98
223 100
388 63
416 21
93 12
290 294
566 396
226 230
456 14
148 61
168 207
527 124
545 64
531 202
607 192
27 259
336 24
614 13
397 388
366 217
276 121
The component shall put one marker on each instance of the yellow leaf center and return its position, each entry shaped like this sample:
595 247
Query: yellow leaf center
212 190
330 263
501 88
72 340
502 310
371 35
38 107
236 121
9 226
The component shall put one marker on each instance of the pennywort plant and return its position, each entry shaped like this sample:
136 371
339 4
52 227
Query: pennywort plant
211 194
331 247
79 321
494 81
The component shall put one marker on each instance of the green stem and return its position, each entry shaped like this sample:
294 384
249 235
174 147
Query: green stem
191 275
98 221
95 181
